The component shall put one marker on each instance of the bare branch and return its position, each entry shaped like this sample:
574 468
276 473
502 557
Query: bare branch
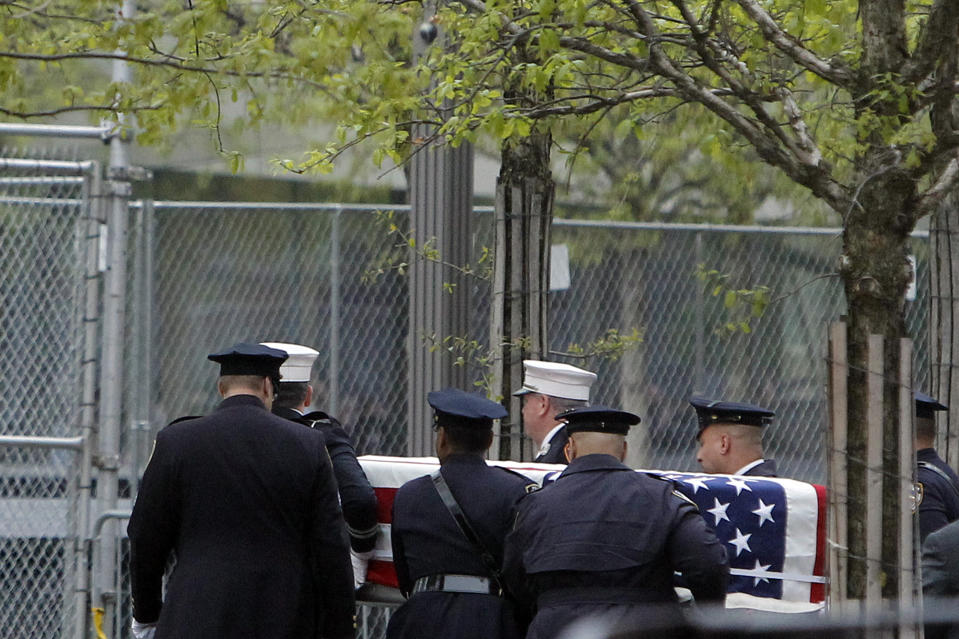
169 63
808 151
103 108
836 72
946 183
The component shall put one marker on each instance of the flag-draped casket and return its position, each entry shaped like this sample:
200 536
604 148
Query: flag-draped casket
773 529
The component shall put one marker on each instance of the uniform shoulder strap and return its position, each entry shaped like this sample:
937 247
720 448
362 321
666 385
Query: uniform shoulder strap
439 482
941 473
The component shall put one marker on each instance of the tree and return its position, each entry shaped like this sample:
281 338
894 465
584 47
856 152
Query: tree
851 100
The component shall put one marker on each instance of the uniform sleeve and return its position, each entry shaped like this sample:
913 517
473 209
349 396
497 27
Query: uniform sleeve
514 571
152 531
330 553
399 553
694 551
356 493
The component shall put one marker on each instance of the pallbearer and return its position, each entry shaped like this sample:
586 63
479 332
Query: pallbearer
603 540
448 530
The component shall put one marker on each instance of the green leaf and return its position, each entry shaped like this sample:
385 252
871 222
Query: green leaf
730 299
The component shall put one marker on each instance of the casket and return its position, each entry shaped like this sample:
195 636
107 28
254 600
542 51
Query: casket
773 529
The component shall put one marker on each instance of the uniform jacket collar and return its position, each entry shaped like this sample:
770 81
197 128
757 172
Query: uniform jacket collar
288 413
464 459
241 400
589 463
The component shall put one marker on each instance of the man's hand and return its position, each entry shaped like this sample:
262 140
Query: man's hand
143 630
360 561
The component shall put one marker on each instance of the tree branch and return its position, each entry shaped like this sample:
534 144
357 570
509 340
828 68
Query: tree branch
815 177
937 38
26 115
835 73
946 183
169 63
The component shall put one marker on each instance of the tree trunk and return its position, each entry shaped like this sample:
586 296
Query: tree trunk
876 274
524 212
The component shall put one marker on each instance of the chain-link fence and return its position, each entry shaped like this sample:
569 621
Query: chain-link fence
48 235
300 273
204 275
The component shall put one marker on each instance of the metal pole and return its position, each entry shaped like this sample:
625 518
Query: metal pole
699 380
334 381
88 367
111 374
102 132
70 443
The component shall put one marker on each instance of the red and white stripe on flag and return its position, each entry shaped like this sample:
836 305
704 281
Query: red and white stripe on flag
774 529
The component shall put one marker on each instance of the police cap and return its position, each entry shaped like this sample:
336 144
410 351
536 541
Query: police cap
249 359
453 407
709 411
926 406
597 419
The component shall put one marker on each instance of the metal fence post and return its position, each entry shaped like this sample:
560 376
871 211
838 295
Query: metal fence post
334 380
90 321
699 381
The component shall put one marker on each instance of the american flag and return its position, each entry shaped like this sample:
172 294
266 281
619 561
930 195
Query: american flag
774 529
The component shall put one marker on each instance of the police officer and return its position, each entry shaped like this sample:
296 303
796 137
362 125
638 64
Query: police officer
448 530
356 494
550 388
938 490
603 540
246 502
730 437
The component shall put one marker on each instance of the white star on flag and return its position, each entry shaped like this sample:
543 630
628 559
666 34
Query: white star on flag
718 511
741 542
739 484
764 513
696 483
760 568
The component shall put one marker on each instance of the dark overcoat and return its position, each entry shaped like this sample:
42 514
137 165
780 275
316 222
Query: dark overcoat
556 454
356 494
246 503
765 469
939 491
940 581
426 541
604 540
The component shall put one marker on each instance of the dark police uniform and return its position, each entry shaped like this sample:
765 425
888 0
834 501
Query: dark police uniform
606 540
556 453
710 411
246 502
356 494
450 589
939 492
938 485
766 468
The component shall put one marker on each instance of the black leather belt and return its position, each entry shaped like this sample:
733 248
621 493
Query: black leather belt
456 583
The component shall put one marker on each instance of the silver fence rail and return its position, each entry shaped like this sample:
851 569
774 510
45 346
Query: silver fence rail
205 274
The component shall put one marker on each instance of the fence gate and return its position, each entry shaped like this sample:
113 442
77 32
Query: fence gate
49 299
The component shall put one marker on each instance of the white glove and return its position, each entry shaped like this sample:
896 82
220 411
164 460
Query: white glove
360 561
143 630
